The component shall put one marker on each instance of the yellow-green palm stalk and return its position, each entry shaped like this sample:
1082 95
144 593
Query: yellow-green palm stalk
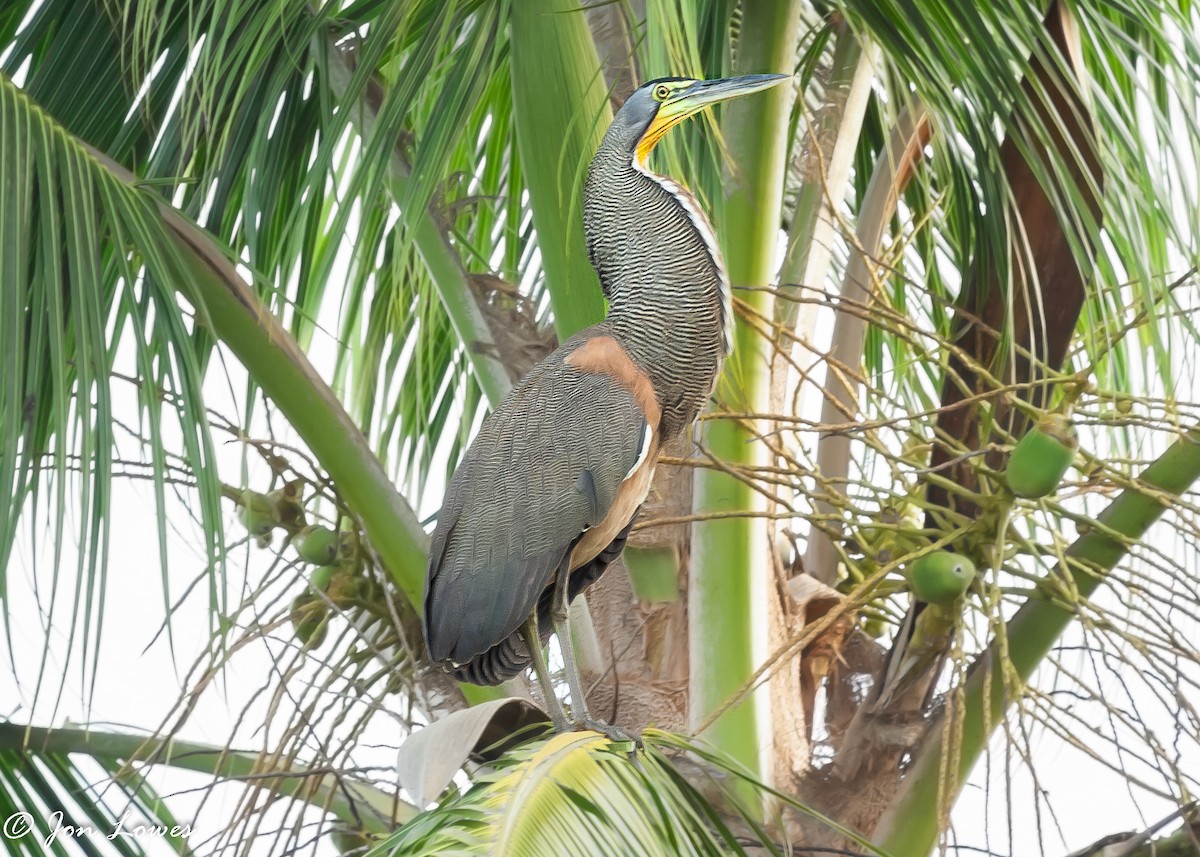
730 566
561 108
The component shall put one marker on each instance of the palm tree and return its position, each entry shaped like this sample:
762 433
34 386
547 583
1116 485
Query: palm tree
274 261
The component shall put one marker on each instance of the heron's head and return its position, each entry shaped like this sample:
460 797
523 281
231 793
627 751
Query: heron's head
658 106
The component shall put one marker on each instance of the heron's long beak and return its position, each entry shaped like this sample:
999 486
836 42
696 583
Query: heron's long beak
705 92
699 95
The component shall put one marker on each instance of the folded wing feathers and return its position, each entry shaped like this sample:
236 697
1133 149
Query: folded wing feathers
545 467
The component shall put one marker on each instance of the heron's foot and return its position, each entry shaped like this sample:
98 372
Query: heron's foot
613 733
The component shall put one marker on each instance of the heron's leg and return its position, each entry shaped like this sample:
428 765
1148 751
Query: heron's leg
557 716
560 615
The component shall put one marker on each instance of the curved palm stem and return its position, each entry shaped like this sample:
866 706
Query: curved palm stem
359 803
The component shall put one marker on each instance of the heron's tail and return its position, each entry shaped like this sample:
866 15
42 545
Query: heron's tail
498 664
510 657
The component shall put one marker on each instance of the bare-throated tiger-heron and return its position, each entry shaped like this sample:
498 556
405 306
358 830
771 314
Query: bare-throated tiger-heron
545 496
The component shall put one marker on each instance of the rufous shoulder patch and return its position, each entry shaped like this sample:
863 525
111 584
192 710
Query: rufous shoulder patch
605 355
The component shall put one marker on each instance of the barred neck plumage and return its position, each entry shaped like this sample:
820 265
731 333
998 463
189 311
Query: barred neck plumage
662 272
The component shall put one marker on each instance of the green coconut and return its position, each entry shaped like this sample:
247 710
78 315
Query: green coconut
316 634
874 626
257 513
347 589
895 532
941 577
316 544
310 619
321 577
1041 458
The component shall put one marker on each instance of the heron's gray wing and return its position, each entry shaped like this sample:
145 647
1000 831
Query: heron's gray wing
545 467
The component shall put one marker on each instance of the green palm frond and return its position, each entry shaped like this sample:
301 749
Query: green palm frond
266 125
92 260
560 113
93 807
103 807
575 793
581 793
966 65
698 41
1144 59
88 286
99 779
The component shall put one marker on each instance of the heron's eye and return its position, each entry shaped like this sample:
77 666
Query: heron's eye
661 92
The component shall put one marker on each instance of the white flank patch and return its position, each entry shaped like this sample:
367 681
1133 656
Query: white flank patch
700 221
647 437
